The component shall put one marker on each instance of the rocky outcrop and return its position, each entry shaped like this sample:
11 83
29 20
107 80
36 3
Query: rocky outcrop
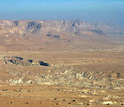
21 61
33 27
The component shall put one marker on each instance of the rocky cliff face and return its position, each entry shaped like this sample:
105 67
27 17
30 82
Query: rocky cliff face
74 26
36 35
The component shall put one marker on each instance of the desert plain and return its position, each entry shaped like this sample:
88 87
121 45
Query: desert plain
73 79
61 64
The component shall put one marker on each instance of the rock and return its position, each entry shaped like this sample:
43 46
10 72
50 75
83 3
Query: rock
16 81
5 90
107 102
29 82
16 60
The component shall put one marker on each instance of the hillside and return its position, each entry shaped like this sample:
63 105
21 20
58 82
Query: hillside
59 35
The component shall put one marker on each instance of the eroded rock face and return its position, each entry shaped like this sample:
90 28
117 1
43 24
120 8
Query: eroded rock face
16 81
58 34
33 27
74 26
107 103
60 75
98 80
115 75
21 61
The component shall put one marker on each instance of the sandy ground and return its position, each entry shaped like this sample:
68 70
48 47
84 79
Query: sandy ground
46 96
57 95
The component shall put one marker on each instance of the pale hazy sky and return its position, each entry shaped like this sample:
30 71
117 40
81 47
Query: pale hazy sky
89 10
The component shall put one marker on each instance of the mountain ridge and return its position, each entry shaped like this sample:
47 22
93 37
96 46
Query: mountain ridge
58 34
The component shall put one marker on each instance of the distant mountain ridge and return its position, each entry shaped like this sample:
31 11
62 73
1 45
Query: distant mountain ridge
62 25
53 34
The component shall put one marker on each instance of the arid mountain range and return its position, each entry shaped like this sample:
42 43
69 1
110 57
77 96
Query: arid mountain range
61 64
60 35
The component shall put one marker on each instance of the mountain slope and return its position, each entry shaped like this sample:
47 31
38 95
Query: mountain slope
59 35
